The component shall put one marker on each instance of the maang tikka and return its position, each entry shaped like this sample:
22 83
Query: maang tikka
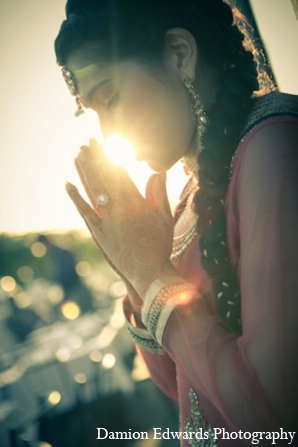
201 123
73 88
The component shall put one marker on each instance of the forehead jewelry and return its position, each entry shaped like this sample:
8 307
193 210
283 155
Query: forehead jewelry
73 88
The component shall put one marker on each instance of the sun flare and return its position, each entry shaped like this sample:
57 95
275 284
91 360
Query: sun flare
121 151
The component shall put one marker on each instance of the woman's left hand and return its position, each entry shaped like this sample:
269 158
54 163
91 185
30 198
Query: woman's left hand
136 233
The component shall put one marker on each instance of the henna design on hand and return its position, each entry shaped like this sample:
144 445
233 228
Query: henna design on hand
135 234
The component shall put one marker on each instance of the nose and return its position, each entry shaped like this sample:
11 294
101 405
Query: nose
109 125
104 124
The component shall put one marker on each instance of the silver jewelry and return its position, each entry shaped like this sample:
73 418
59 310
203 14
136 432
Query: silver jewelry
180 243
197 107
102 199
201 123
71 83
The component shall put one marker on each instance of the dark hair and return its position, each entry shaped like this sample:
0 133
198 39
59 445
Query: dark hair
122 29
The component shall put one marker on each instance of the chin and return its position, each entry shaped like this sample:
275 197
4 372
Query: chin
158 166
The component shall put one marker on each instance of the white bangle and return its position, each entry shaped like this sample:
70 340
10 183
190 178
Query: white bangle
161 298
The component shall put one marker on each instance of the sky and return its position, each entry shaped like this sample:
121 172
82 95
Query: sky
39 136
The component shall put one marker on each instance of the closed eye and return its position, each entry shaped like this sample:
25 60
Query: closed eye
113 102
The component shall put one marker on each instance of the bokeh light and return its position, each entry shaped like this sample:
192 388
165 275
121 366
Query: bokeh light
8 284
83 268
118 289
22 300
25 273
80 378
96 356
38 249
54 398
108 361
139 371
55 294
70 310
75 342
63 355
117 320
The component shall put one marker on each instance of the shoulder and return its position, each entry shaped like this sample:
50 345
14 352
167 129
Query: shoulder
268 169
274 137
265 164
271 126
274 104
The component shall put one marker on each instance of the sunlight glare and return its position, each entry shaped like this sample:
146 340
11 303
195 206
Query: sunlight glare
119 150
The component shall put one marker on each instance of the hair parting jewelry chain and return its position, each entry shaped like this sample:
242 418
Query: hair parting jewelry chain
71 83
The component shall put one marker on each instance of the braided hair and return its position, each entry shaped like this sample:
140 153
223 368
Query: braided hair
123 29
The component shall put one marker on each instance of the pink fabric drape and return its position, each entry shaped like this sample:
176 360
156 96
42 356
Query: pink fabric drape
248 382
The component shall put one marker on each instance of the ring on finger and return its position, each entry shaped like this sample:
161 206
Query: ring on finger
101 200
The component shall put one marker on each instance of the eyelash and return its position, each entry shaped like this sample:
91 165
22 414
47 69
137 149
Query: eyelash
112 101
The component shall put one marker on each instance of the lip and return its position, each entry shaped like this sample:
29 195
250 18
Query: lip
140 153
144 153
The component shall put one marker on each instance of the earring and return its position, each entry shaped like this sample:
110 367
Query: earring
201 123
71 83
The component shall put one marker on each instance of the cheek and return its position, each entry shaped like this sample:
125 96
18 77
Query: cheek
158 115
157 120
139 113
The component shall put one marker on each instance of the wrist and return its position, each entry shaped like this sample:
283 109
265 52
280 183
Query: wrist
139 333
163 272
137 320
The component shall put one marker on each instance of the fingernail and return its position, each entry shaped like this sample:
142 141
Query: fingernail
82 157
70 187
92 142
163 176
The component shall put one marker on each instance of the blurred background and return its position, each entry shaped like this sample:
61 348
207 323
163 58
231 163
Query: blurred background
67 365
